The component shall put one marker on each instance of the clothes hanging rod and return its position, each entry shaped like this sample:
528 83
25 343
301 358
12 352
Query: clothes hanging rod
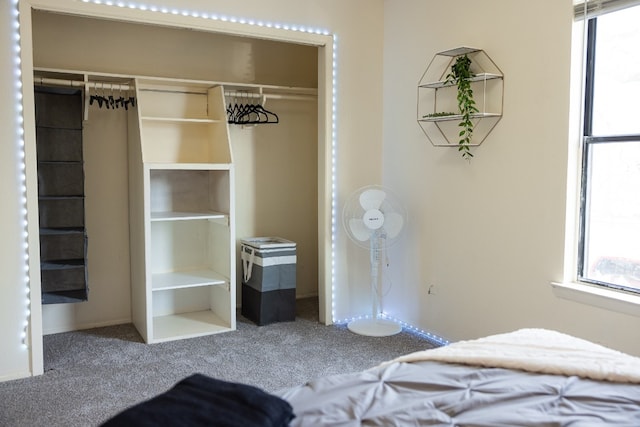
255 95
244 94
80 83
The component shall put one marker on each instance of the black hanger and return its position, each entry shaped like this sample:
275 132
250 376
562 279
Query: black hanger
247 112
110 101
271 117
250 113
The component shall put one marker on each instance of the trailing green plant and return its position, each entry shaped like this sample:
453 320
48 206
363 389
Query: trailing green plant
460 76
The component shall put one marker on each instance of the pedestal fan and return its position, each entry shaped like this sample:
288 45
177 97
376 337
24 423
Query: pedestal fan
374 218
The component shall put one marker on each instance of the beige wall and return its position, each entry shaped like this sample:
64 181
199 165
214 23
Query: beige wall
487 235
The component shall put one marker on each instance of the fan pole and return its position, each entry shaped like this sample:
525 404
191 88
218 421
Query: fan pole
374 255
376 326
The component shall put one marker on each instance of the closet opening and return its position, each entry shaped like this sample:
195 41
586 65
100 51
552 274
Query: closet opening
283 170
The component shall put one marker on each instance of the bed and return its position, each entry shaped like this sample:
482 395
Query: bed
530 377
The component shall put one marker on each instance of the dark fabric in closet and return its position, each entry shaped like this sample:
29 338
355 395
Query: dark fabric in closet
63 240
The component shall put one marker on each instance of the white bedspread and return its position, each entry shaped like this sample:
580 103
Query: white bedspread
537 350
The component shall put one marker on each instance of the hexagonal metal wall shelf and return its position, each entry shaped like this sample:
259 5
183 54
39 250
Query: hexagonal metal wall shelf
437 106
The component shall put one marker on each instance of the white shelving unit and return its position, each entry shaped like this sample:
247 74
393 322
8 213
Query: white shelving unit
437 109
182 211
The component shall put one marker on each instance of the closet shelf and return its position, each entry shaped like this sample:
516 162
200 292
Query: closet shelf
188 325
479 77
186 216
152 83
457 117
93 79
188 166
187 279
181 120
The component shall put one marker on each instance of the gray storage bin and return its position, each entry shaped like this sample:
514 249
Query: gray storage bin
269 279
61 277
59 144
61 212
60 179
58 245
58 107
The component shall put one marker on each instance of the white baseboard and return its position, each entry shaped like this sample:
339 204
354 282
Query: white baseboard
57 329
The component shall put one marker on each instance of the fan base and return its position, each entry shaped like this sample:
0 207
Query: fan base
374 327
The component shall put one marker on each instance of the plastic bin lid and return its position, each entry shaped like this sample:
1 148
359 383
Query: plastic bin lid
268 242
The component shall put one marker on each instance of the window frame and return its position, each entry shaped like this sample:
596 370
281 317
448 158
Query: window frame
588 140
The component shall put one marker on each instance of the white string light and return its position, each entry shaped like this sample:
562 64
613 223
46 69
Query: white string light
24 332
334 196
406 327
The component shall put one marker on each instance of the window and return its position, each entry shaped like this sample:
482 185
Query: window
609 240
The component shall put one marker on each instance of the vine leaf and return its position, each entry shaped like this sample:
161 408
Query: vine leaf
460 76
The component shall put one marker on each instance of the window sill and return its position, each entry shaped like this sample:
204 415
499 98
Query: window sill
619 301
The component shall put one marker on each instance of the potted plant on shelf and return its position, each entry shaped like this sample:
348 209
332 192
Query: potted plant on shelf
460 76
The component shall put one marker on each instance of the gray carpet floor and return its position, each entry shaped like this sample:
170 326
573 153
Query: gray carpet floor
93 374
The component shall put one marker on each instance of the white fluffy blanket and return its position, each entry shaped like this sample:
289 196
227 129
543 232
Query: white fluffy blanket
540 351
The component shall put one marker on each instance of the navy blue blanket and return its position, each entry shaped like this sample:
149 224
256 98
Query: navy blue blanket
199 400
